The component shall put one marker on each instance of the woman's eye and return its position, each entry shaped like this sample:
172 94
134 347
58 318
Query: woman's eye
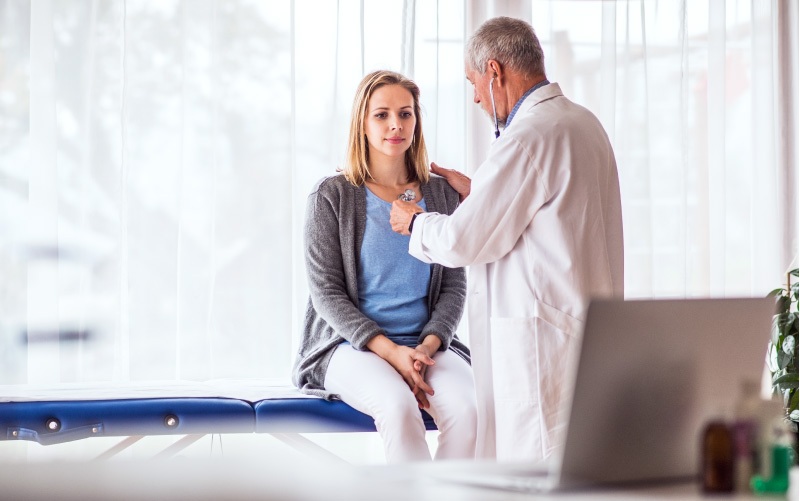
380 115
406 114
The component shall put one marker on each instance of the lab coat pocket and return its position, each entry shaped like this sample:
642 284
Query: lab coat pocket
514 357
556 318
530 355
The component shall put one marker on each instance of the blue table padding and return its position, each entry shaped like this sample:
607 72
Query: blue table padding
312 415
49 422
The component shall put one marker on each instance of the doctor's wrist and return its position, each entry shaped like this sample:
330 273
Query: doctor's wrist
411 224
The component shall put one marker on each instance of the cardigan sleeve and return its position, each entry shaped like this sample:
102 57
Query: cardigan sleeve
325 269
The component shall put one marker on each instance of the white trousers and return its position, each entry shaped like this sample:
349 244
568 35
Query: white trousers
369 384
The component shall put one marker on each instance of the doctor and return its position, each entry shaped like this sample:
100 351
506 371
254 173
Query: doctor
540 226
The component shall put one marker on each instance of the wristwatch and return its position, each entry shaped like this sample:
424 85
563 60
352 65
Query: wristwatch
411 224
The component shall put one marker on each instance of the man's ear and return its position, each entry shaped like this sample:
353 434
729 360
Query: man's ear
496 70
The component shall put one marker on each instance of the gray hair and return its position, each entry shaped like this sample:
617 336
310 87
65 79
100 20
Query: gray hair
511 42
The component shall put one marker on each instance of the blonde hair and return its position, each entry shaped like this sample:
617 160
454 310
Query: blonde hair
356 168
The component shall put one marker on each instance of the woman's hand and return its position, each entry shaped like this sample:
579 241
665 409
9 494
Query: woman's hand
422 399
404 360
458 181
430 345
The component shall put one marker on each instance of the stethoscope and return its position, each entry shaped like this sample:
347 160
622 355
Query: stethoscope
494 110
407 196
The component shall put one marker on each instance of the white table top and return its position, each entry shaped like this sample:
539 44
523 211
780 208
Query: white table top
276 478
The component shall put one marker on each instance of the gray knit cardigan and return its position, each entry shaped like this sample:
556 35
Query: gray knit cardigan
336 215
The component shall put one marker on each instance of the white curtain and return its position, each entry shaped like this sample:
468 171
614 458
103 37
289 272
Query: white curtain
699 99
155 158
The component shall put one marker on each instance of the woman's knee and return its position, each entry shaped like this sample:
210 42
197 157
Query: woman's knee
397 412
460 416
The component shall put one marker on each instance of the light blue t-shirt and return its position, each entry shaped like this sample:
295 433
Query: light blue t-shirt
392 284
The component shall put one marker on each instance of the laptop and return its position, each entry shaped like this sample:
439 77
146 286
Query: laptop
650 374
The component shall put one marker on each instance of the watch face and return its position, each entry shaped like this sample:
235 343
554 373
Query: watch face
407 196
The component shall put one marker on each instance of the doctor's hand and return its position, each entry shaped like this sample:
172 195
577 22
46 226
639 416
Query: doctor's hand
401 214
458 181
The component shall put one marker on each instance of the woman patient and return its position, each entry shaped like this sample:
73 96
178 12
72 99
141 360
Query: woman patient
380 325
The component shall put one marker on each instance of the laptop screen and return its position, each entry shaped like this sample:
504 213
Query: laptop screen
650 374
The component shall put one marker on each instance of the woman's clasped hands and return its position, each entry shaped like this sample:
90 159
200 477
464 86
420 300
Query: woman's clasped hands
411 364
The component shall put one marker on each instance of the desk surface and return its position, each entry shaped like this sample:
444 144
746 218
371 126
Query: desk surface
273 479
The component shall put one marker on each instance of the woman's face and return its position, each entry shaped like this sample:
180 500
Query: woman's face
390 121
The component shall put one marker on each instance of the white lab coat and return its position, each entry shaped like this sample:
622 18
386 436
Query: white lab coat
542 233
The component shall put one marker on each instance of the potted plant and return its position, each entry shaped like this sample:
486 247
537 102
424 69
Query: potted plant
782 359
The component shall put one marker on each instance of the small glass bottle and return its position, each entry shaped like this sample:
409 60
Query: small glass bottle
717 457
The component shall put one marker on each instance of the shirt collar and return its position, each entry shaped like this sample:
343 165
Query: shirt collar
519 103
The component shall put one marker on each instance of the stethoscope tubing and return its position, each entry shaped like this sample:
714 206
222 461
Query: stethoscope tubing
494 110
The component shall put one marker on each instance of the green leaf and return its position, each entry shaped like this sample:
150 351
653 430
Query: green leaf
793 402
789 345
787 325
783 359
782 304
772 358
791 376
776 332
794 272
785 380
776 292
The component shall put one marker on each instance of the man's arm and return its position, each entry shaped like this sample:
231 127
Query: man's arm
506 193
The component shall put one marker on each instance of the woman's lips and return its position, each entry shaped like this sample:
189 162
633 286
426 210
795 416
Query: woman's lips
395 140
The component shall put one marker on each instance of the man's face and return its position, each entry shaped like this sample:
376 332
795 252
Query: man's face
480 85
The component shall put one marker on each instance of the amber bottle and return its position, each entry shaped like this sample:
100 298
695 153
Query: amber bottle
717 458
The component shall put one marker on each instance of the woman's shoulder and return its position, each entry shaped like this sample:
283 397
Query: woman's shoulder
334 185
330 182
442 189
440 183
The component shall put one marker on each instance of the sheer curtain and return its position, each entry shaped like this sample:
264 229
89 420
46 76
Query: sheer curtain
691 94
155 158
700 101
